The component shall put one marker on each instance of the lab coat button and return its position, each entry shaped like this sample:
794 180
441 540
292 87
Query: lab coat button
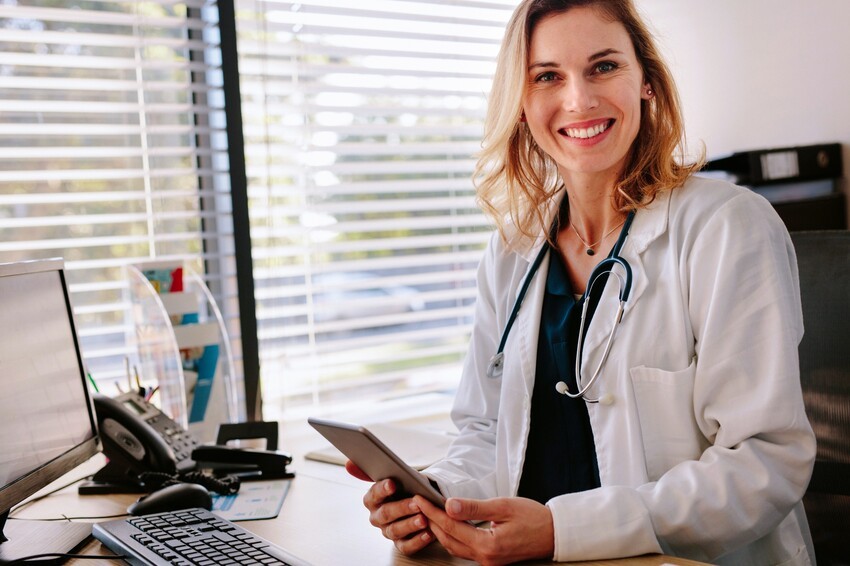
607 399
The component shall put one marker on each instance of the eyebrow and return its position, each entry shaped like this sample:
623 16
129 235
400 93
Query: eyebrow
596 56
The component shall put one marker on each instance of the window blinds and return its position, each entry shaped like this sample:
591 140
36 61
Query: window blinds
361 124
112 152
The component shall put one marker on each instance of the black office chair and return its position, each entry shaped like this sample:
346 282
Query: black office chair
824 263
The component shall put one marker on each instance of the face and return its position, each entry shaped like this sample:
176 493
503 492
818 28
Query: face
583 92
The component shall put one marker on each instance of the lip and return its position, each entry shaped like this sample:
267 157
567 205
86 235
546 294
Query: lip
585 125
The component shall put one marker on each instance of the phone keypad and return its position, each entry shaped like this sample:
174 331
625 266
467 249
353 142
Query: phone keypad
181 442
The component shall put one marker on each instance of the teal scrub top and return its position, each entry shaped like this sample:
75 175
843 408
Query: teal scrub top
560 455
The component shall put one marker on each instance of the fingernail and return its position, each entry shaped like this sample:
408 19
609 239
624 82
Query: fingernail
425 537
387 487
419 522
454 506
413 506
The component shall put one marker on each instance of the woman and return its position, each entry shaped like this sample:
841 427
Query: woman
690 437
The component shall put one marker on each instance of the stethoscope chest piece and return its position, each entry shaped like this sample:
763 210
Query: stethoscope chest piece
497 363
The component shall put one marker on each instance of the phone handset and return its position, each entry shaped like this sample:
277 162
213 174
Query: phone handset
137 438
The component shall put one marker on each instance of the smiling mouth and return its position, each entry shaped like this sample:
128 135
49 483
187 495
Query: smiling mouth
585 133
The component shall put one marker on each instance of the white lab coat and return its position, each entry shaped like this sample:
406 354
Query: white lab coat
705 450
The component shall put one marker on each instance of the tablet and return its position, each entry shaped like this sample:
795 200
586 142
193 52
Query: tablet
373 457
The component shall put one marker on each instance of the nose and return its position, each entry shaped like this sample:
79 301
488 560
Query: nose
579 95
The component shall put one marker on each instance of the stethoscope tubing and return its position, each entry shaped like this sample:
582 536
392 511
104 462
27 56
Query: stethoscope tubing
496 365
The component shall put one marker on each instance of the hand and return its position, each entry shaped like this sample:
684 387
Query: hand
520 529
399 520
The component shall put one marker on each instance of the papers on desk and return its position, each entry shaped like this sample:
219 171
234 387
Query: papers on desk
417 447
255 500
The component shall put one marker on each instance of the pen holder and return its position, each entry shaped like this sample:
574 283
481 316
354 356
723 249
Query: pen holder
183 348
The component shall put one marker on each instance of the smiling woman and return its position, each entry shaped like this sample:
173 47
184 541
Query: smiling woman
583 100
629 411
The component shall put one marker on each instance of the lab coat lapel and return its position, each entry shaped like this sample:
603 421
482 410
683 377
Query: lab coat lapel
649 223
528 325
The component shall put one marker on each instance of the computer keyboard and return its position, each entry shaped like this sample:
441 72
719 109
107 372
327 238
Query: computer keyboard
189 537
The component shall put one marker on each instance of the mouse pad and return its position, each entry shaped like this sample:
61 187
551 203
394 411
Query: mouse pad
255 500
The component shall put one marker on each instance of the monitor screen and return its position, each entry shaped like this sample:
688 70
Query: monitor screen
47 424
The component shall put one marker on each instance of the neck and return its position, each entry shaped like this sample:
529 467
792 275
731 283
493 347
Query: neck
591 202
589 219
593 217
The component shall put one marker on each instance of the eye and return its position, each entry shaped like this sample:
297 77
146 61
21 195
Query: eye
606 67
546 77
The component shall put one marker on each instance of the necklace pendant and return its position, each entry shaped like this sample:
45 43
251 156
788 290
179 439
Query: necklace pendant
590 252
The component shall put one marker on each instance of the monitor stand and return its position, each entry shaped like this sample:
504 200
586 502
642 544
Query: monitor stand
19 538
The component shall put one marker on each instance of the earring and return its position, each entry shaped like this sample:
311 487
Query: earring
649 92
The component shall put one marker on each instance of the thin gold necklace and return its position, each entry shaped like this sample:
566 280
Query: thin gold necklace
589 247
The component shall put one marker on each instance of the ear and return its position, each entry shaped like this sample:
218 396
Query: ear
647 92
522 117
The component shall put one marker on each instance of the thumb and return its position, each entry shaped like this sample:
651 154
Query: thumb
474 509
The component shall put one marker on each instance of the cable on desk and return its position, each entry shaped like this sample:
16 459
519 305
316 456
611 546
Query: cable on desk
69 519
20 506
57 558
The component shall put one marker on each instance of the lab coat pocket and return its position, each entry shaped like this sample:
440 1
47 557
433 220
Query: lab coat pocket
665 408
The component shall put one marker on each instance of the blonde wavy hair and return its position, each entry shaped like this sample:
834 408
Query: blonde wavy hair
514 178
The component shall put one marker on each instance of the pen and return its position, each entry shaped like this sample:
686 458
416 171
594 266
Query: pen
93 383
127 371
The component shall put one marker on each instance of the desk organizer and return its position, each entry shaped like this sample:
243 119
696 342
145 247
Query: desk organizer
184 353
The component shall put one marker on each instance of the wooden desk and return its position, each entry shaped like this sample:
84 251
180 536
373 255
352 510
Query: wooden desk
322 520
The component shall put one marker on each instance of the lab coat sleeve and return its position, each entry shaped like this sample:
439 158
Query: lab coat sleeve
739 275
468 470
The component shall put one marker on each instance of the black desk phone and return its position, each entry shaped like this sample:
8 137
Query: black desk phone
137 437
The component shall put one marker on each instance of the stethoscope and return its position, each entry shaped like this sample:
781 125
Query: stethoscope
607 265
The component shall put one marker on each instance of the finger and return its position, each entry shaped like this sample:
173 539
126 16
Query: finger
392 511
477 510
378 494
444 526
415 542
453 546
355 471
405 527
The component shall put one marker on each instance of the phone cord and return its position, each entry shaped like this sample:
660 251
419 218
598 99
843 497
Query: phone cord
225 485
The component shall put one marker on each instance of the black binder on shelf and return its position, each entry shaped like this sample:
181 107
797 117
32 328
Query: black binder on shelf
781 165
801 182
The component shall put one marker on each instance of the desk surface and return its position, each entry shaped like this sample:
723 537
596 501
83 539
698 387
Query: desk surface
322 520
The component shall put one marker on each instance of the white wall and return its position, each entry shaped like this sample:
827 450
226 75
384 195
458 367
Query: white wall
758 73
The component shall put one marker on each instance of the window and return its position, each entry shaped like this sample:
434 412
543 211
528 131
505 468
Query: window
112 152
361 120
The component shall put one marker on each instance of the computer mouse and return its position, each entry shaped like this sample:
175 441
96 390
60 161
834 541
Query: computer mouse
172 498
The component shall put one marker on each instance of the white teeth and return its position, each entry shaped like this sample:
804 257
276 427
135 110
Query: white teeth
585 133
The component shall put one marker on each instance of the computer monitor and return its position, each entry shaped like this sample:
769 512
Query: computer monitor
47 422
